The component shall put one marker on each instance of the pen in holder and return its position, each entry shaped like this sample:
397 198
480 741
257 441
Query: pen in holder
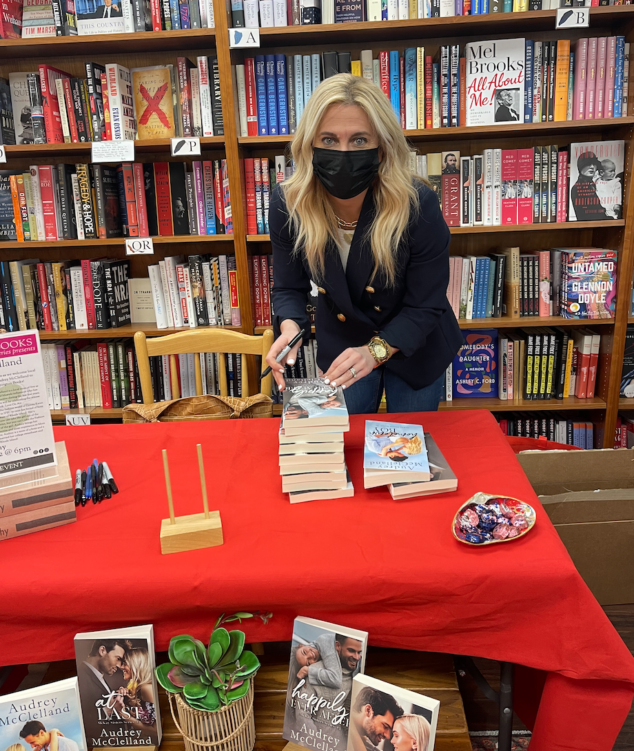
179 533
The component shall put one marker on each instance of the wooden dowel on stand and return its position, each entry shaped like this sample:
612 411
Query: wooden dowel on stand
203 484
168 486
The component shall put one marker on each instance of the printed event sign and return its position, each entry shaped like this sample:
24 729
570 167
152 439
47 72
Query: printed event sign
26 430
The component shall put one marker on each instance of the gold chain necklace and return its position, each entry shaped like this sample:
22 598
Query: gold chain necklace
345 225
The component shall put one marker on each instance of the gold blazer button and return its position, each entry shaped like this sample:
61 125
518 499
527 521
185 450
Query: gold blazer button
341 317
376 307
321 290
370 290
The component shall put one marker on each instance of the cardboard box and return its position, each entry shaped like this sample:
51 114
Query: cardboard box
589 497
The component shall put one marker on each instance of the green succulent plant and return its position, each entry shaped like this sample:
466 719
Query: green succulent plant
213 676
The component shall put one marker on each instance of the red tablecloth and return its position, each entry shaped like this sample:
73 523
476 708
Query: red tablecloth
389 567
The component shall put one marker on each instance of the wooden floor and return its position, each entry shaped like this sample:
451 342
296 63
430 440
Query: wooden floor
431 674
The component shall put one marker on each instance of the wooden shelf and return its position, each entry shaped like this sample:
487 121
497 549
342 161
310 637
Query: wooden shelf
114 241
507 228
426 28
74 149
481 131
630 319
626 403
110 44
501 405
149 329
96 413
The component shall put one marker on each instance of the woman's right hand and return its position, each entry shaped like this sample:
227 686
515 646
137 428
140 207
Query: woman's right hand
289 329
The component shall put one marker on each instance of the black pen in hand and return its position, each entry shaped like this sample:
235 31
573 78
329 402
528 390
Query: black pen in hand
285 351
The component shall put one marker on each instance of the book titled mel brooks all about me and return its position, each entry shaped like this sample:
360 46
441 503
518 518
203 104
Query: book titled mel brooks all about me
410 717
119 699
43 717
325 658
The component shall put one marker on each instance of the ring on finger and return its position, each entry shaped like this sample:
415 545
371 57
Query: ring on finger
353 371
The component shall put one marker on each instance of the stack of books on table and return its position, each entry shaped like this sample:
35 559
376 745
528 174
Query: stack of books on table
312 462
36 500
406 459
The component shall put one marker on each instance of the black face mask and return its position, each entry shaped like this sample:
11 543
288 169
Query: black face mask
345 174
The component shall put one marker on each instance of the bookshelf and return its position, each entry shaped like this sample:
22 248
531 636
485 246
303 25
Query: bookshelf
153 48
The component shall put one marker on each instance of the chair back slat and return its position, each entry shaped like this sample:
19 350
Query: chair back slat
176 394
222 367
198 375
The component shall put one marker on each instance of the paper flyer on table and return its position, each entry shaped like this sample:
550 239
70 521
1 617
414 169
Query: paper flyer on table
26 429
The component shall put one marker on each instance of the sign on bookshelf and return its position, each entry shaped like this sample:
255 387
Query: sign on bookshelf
112 151
3 155
139 246
80 419
240 38
185 146
572 18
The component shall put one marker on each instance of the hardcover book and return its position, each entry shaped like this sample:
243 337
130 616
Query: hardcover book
325 659
475 365
588 284
117 687
21 105
627 372
407 714
495 81
309 403
153 103
99 17
596 181
43 715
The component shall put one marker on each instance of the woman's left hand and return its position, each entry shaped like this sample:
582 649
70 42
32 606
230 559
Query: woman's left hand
358 358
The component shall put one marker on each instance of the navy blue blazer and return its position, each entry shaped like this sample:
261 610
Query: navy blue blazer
413 315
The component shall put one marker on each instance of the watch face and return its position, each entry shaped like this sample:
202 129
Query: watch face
380 350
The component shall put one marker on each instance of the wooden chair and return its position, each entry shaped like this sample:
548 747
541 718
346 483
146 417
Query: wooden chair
201 340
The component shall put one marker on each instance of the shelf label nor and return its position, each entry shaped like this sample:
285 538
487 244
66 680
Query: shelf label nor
78 419
185 146
240 38
572 18
139 246
3 155
113 151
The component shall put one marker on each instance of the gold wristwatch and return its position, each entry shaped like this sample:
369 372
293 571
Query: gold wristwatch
379 349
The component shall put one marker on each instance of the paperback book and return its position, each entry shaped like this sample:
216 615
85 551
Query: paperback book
395 447
407 714
118 689
325 659
309 403
442 478
41 716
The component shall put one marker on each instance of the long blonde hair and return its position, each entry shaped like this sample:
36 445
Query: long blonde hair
311 214
418 728
140 670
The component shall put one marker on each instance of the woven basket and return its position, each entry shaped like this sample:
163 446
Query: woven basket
231 728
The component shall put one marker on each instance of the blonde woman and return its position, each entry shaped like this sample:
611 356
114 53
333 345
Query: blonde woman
411 733
138 693
372 237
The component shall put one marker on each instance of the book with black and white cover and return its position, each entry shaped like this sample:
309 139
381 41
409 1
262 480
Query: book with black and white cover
442 480
495 80
325 658
43 715
596 186
310 403
408 714
117 687
21 106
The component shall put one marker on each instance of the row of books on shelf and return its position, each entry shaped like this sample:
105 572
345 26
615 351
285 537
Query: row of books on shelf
97 201
539 363
112 103
29 19
571 283
98 294
487 83
267 13
537 185
83 374
551 426
624 433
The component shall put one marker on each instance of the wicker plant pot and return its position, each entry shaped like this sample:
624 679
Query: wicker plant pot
231 728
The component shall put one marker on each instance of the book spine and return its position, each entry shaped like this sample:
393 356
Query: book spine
561 80
610 76
141 208
88 294
601 77
205 96
509 186
581 69
528 80
618 76
591 79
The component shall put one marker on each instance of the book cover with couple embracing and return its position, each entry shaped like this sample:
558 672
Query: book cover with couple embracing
117 686
324 660
384 717
43 717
